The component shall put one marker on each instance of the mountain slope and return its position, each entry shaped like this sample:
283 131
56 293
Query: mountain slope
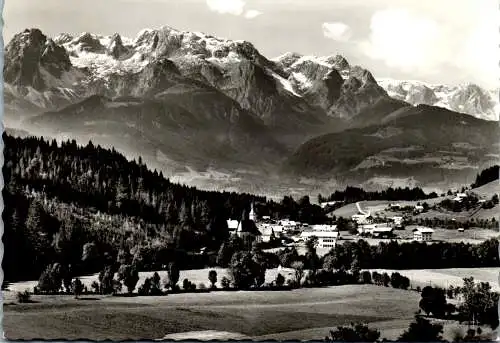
169 127
424 142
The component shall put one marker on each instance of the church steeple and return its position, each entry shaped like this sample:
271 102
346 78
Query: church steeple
251 216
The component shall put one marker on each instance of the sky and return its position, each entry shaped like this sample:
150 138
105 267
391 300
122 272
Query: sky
436 41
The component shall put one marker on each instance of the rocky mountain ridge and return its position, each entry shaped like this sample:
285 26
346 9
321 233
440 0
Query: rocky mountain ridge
191 100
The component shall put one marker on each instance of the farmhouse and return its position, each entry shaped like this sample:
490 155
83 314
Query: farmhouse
376 230
288 224
422 234
361 218
327 203
419 208
459 197
268 234
326 239
398 221
394 206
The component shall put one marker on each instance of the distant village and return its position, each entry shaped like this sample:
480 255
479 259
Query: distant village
290 233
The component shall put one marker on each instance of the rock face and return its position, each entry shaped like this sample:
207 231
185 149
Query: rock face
469 99
30 56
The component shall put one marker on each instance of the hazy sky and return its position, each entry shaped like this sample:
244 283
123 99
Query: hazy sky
441 41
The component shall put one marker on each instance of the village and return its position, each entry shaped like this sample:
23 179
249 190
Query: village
387 221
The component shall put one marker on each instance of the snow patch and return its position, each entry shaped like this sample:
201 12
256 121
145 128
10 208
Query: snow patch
286 84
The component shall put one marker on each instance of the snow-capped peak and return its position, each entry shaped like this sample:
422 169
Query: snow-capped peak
466 98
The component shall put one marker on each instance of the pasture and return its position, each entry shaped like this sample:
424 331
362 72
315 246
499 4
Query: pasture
252 314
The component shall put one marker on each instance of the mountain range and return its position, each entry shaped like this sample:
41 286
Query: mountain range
217 113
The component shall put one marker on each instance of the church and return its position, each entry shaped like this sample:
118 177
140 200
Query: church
246 226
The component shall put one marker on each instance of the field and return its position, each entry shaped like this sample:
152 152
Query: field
196 276
447 277
377 206
488 190
302 313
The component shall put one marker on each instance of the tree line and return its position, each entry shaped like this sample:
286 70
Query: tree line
486 176
355 194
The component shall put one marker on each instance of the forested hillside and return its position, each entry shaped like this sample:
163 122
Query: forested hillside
486 176
81 205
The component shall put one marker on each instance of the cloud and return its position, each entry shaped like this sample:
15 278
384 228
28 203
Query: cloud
250 14
337 31
234 7
428 45
405 40
480 51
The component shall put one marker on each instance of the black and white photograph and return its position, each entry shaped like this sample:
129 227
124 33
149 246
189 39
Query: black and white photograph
254 170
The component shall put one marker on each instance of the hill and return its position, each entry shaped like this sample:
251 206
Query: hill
431 144
62 200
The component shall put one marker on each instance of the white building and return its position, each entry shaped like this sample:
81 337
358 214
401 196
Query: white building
232 224
288 223
326 239
398 221
361 218
376 230
422 234
395 206
267 233
419 208
327 203
324 227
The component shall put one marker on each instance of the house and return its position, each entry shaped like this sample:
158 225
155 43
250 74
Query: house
419 208
394 206
267 234
422 234
459 197
324 227
377 230
327 203
288 223
232 225
361 218
398 221
382 232
326 239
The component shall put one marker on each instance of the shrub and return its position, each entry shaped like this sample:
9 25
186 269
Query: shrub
145 289
201 285
225 283
23 297
280 280
212 277
95 286
77 287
